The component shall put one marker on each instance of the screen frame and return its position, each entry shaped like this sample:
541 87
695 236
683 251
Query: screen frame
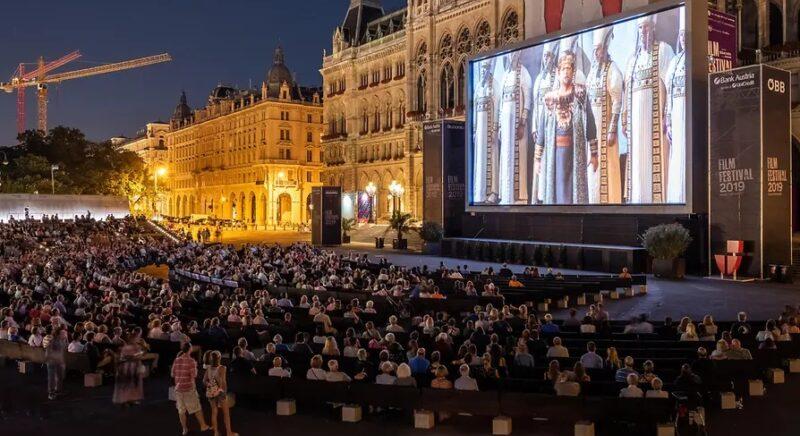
692 47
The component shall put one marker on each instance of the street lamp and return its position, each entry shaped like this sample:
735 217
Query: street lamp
53 169
397 191
160 171
371 189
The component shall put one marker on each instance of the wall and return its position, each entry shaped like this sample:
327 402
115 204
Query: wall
65 206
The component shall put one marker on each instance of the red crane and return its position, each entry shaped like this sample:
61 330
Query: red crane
40 78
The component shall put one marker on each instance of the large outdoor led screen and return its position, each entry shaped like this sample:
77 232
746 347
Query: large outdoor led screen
593 118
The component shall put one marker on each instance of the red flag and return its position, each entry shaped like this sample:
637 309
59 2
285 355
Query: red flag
553 9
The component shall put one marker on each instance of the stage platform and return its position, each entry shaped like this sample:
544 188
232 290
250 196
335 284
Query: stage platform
592 257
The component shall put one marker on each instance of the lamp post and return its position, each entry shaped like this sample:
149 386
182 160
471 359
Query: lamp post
161 171
396 190
53 169
370 190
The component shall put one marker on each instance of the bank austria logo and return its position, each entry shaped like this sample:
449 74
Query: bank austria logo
776 85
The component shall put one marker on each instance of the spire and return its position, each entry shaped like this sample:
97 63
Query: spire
278 59
183 97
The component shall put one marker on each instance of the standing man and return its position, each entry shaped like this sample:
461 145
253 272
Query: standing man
184 373
675 116
544 83
515 107
643 116
563 142
55 344
487 156
604 86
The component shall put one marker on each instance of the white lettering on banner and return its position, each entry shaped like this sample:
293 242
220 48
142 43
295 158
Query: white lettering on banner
776 177
775 85
732 180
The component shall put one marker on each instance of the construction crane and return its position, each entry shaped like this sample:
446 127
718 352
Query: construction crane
41 79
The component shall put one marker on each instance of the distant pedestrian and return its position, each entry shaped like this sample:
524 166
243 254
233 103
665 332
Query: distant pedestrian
55 344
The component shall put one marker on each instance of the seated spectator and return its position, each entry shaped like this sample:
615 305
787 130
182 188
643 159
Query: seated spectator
553 373
612 359
514 283
587 325
393 327
622 374
465 382
590 358
386 377
632 390
770 331
331 348
767 344
557 350
316 372
656 391
419 364
548 326
741 327
241 364
687 380
721 351
404 377
334 375
572 320
441 381
76 346
579 373
523 358
647 372
737 352
689 333
277 369
711 328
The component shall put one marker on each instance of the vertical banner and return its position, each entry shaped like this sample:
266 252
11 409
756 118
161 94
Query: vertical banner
776 163
444 174
326 218
750 166
432 174
364 207
722 41
734 164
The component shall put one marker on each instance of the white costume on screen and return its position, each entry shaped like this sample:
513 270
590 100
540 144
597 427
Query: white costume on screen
645 97
676 120
544 83
514 109
604 86
485 172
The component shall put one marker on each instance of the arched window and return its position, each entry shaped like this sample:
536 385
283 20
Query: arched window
364 120
510 32
421 104
464 43
483 37
461 83
446 47
447 87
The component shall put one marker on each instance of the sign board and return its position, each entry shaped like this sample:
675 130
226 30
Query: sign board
750 166
723 41
326 218
444 174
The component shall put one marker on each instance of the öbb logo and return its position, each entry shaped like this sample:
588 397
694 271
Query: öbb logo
775 85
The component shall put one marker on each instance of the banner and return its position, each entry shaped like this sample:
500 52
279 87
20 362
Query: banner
444 170
722 41
749 163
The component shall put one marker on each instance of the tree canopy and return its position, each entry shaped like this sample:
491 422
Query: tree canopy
84 167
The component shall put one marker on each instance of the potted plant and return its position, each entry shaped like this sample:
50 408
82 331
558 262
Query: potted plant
347 225
401 223
431 234
666 243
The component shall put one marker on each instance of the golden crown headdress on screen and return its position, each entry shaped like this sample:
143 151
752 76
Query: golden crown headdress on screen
567 50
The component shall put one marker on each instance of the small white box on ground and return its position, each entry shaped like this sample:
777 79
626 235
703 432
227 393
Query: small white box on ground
665 429
351 413
775 376
581 300
756 388
92 380
501 425
727 400
643 290
171 393
629 292
584 428
424 419
563 303
543 307
794 366
286 407
614 295
25 367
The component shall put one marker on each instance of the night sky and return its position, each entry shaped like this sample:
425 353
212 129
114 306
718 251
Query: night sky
211 41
